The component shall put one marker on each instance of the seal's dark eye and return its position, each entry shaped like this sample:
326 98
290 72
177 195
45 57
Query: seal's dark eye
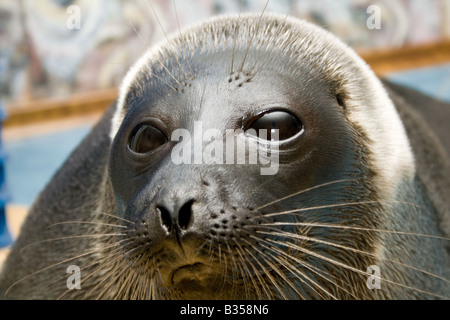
146 138
283 123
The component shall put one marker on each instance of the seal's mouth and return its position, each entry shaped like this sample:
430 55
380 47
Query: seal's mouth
190 273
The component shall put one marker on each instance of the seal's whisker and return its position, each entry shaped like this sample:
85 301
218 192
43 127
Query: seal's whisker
302 276
116 246
233 265
148 288
304 191
264 269
247 262
114 270
129 285
236 271
126 266
296 272
317 271
350 268
306 238
336 205
144 284
153 285
85 222
210 251
247 273
71 237
275 266
337 226
266 273
113 216
110 259
51 266
289 267
135 279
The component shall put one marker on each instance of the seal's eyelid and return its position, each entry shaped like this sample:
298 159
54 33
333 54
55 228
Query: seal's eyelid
146 138
284 123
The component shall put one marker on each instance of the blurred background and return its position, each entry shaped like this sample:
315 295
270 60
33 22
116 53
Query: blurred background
57 73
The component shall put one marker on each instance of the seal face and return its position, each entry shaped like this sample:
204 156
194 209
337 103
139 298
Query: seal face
199 220
211 227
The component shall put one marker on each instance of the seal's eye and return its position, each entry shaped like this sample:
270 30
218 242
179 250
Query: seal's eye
146 138
283 123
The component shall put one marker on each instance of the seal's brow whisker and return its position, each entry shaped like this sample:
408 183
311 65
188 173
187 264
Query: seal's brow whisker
271 53
168 71
235 38
179 35
137 33
152 74
304 191
252 37
167 38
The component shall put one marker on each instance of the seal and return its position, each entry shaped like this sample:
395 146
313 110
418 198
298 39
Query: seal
357 207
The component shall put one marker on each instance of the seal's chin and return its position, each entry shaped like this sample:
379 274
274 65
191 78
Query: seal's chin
195 281
192 274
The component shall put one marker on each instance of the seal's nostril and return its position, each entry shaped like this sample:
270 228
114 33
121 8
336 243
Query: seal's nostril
185 215
179 218
166 218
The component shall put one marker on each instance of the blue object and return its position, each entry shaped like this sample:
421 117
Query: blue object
5 235
433 81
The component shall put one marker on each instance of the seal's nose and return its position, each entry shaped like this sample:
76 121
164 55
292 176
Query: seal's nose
176 216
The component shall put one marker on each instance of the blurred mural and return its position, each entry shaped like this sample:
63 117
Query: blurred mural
46 52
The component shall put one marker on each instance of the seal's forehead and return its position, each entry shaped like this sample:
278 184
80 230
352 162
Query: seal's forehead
304 45
245 38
